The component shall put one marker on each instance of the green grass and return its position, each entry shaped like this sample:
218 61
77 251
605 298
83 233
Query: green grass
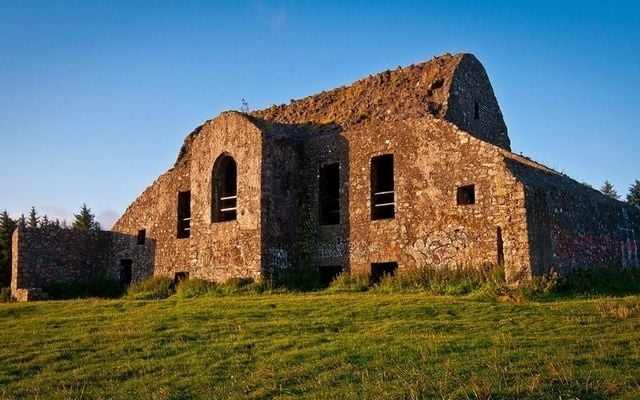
368 345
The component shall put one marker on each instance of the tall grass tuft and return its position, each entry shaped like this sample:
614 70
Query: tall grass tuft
154 288
189 288
459 280
242 286
346 282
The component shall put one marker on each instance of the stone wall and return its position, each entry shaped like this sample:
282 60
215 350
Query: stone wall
42 257
574 226
155 211
223 250
443 125
432 158
214 251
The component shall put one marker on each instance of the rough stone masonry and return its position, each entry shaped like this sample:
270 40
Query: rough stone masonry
406 169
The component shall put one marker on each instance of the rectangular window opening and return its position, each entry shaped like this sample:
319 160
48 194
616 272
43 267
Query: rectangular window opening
126 266
142 236
327 274
380 270
383 203
466 195
476 110
329 194
184 214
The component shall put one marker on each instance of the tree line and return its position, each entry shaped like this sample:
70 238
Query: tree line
85 220
633 197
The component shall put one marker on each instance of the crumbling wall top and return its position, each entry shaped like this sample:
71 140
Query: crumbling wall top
414 91
445 87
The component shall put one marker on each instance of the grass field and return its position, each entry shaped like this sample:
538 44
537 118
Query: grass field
321 345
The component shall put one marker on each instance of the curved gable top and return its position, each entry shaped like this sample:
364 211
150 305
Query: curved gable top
185 151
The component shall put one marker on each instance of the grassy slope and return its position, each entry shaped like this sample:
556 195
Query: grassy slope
321 346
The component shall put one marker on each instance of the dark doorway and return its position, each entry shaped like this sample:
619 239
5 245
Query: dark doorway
328 273
329 193
500 246
179 277
379 270
126 273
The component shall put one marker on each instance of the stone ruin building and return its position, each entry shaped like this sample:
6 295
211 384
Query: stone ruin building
410 168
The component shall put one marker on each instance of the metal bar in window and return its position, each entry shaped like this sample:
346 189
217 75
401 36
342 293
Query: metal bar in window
228 209
228 198
384 204
381 193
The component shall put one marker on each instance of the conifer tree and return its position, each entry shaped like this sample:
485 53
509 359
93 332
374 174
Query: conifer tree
633 197
85 220
22 222
32 221
44 222
7 226
608 190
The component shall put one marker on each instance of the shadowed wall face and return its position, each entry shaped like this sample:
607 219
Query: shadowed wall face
572 226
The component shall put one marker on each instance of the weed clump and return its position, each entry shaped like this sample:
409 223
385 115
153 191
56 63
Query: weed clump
188 288
346 282
154 288
239 286
441 281
234 284
456 281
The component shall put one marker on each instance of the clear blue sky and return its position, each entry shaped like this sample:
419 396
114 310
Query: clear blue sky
97 96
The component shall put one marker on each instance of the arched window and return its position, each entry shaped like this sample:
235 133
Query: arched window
224 190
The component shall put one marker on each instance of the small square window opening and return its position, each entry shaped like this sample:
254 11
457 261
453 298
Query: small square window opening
466 195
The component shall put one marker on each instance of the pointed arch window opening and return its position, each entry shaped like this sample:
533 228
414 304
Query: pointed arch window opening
224 204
